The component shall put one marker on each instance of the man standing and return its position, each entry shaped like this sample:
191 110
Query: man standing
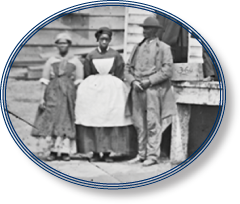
151 101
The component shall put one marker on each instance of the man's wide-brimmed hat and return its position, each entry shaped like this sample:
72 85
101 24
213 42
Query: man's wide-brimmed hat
151 22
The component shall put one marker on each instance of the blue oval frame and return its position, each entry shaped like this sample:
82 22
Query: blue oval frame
113 186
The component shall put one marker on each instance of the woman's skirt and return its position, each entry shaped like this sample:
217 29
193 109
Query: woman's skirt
55 128
100 116
57 118
117 140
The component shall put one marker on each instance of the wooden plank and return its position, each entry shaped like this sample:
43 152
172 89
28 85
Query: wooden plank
201 93
134 29
86 22
125 33
193 42
104 10
34 72
46 37
139 11
127 57
130 47
81 51
187 72
135 38
196 51
137 19
193 59
20 73
33 54
38 55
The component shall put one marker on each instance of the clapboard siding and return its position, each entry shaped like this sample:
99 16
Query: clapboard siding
135 38
79 37
38 55
135 29
86 22
104 10
195 52
133 32
137 19
82 26
135 11
133 35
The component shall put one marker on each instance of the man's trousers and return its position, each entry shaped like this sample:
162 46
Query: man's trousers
146 116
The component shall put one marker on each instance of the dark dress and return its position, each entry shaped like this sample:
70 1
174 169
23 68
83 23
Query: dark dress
57 118
114 134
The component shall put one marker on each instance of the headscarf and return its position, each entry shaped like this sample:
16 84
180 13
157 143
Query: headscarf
103 30
63 36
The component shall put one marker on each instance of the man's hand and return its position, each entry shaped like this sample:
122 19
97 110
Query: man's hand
136 86
145 83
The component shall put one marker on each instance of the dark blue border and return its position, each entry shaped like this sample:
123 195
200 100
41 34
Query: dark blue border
112 186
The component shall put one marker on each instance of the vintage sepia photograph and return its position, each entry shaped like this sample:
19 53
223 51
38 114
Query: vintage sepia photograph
114 94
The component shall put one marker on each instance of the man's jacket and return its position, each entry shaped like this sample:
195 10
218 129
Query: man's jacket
160 78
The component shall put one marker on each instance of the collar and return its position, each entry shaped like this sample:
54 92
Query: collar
100 51
68 57
150 41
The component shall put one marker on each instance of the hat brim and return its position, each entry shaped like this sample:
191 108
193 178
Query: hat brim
152 26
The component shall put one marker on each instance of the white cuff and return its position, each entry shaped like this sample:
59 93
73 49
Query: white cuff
78 81
44 81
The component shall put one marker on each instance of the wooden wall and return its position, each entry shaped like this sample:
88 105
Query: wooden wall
82 26
133 32
195 52
133 35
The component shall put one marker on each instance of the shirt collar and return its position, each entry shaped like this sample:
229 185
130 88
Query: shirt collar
150 41
100 51
67 57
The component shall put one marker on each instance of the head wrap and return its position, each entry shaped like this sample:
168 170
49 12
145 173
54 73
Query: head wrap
103 30
63 36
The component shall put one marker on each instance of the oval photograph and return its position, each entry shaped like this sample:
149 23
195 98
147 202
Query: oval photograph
114 96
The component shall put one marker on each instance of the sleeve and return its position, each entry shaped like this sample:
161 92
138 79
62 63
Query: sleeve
119 69
79 73
129 66
165 69
87 67
46 72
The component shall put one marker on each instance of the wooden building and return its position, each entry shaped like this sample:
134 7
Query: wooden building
81 26
197 101
190 128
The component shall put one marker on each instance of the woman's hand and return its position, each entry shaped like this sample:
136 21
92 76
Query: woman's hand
42 104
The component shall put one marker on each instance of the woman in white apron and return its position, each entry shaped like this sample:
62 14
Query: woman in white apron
102 126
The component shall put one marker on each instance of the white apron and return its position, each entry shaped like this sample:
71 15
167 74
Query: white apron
101 98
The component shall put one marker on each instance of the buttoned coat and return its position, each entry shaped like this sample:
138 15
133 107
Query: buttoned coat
160 78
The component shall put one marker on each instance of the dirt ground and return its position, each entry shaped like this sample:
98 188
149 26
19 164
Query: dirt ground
23 97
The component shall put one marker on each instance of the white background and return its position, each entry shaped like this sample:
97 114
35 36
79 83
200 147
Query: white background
212 178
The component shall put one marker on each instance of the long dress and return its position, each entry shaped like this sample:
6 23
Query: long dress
56 120
100 106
